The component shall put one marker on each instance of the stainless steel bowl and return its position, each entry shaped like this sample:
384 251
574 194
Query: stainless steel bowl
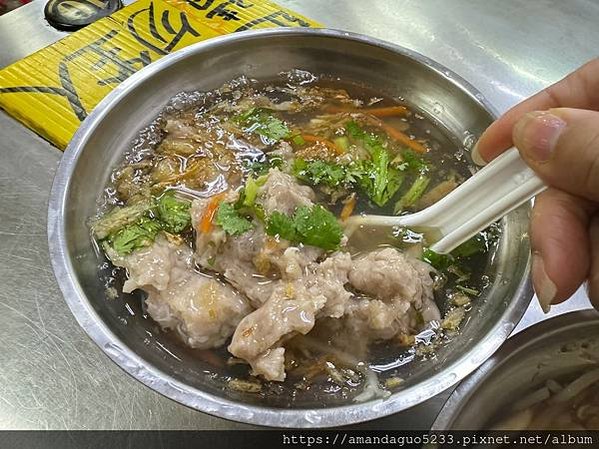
547 350
132 342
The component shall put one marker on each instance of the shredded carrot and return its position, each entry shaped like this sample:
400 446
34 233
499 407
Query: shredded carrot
402 138
329 144
313 138
348 208
389 111
332 109
399 136
208 216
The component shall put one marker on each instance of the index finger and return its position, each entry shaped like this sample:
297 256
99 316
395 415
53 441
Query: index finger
580 90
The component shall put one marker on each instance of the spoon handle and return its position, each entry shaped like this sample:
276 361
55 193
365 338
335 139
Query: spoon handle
495 190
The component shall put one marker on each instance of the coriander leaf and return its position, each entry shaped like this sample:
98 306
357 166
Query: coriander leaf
173 213
231 221
317 226
134 236
313 226
394 182
354 130
120 217
387 180
245 116
262 122
281 225
414 162
320 172
260 168
377 178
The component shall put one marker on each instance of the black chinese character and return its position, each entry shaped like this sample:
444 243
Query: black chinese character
172 37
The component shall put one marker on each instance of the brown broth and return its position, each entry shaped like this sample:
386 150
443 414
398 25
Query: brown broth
144 168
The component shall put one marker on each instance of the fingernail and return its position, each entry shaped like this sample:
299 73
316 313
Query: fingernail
536 134
544 287
476 157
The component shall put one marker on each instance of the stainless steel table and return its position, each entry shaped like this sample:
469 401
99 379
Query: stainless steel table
53 377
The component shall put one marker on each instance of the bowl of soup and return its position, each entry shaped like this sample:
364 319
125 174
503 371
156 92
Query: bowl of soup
544 378
196 227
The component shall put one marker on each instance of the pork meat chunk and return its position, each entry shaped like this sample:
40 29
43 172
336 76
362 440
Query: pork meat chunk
271 364
386 274
283 315
253 262
282 193
203 311
330 278
400 291
293 308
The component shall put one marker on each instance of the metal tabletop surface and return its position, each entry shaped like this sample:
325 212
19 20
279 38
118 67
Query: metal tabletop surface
51 374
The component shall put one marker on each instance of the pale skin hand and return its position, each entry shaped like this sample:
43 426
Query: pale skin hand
557 134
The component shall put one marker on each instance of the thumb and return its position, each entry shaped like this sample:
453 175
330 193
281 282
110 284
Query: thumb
562 146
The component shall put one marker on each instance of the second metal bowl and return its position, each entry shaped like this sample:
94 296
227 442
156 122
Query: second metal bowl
548 350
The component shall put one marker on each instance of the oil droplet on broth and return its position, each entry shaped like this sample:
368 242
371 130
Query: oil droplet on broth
469 140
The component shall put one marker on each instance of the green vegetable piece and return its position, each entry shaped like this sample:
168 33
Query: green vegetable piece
438 261
461 273
251 190
342 143
319 172
173 213
318 227
475 245
228 218
379 180
119 217
313 226
259 168
262 122
413 194
298 140
259 212
281 225
387 180
414 162
354 130
468 290
135 236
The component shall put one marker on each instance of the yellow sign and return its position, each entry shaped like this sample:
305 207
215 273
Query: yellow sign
53 90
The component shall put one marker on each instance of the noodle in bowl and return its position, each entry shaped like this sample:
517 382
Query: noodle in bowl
556 363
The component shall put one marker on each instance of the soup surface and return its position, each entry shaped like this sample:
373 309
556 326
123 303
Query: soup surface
226 218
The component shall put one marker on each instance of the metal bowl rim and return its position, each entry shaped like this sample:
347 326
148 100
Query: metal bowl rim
511 348
162 382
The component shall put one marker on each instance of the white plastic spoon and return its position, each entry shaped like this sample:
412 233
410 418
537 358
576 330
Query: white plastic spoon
492 192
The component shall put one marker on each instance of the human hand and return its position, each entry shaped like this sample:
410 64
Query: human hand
557 134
